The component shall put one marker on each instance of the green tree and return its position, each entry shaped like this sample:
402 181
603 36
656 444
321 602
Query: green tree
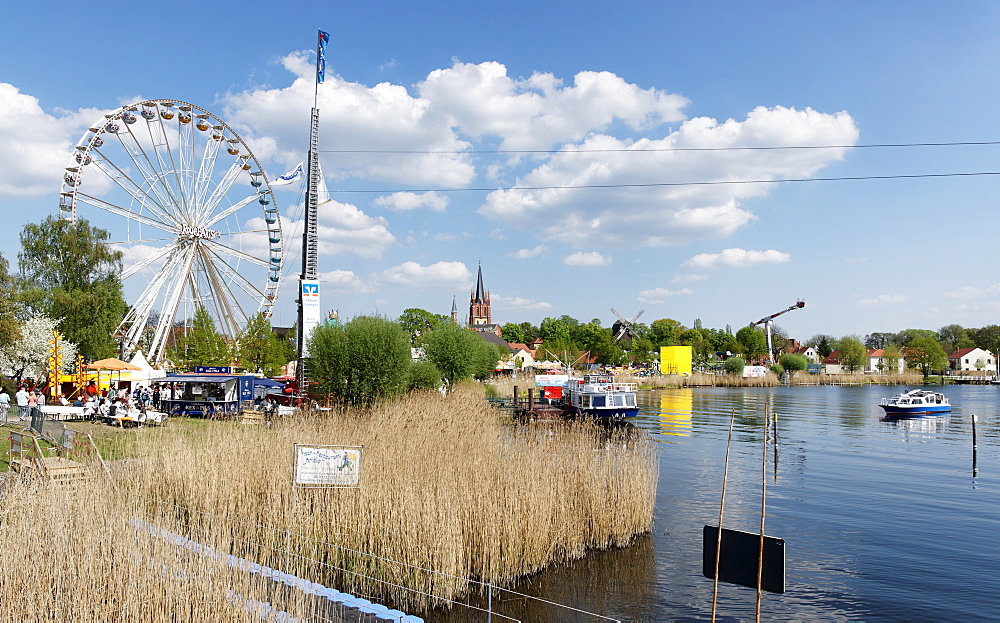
851 354
987 338
513 333
734 365
925 353
70 272
880 340
953 337
908 335
9 308
793 362
416 322
555 331
200 344
663 332
362 361
601 344
822 343
460 354
890 360
260 349
423 375
753 340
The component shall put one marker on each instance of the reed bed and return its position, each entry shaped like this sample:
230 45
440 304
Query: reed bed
449 497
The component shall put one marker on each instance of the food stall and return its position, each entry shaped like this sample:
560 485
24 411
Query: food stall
206 395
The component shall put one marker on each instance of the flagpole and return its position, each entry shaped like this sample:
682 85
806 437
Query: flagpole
308 285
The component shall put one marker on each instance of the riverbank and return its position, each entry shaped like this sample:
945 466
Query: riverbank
449 495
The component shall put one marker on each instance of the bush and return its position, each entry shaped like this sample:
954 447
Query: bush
361 362
792 362
734 365
423 375
777 369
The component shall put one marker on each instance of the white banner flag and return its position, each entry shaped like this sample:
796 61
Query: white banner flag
289 177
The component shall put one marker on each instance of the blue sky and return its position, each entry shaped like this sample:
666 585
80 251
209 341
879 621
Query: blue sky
585 84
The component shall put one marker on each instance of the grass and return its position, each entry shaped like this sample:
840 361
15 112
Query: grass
446 487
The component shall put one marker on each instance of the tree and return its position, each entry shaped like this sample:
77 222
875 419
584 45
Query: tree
416 322
793 362
69 272
822 343
753 340
362 361
987 338
954 336
200 344
663 332
9 308
925 354
734 366
27 356
851 354
513 333
880 340
555 331
601 344
890 360
260 349
908 335
460 354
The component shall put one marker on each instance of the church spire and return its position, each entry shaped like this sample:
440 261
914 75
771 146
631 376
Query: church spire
480 295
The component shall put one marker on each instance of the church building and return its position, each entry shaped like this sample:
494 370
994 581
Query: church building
480 315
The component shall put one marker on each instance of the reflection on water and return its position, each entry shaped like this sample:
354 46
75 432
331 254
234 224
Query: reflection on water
675 412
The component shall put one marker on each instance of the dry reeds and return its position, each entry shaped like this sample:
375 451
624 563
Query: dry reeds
448 496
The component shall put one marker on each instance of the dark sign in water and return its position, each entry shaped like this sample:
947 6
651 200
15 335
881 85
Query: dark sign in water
737 559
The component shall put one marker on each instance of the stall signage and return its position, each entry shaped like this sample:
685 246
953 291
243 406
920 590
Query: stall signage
551 380
327 466
213 370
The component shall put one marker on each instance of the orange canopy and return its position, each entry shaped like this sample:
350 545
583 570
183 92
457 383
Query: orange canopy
112 364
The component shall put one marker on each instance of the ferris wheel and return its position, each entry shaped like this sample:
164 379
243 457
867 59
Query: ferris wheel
191 209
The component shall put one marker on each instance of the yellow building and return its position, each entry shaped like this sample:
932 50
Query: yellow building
675 360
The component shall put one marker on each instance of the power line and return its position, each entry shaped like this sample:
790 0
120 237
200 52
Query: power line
670 184
651 149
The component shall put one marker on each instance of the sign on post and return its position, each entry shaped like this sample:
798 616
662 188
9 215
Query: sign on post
327 466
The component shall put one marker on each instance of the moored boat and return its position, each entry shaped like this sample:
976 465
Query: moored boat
916 402
600 395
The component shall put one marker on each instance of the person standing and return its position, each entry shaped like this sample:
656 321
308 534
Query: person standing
4 404
21 397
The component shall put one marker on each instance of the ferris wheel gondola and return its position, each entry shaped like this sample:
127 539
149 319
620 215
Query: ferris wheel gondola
194 211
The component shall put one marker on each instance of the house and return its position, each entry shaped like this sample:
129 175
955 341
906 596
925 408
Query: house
523 356
970 359
808 352
876 362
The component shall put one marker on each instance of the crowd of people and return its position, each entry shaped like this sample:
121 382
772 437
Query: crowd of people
107 404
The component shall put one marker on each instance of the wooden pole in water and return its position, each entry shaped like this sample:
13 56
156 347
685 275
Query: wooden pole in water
763 501
722 506
975 448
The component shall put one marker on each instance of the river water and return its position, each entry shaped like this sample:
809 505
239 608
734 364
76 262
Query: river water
881 520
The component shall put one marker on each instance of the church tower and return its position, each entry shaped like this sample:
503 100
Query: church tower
454 310
479 304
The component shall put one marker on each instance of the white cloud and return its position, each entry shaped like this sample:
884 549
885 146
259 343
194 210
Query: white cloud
355 116
882 300
737 258
340 280
452 275
657 295
520 304
689 278
538 112
637 215
581 258
524 254
343 228
407 201
973 292
37 145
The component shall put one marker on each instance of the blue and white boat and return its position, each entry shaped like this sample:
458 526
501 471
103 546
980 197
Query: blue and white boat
600 395
916 402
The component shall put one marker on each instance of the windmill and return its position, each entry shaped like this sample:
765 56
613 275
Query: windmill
623 330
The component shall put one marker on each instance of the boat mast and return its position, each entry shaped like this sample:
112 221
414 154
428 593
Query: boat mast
308 317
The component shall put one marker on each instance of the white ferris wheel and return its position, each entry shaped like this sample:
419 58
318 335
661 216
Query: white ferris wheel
189 205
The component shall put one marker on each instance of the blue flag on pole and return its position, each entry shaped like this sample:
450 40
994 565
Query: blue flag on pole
324 38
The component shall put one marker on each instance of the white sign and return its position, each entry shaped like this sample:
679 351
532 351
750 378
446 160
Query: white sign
309 291
327 466
551 380
754 371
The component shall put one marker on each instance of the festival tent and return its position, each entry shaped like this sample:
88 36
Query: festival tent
111 364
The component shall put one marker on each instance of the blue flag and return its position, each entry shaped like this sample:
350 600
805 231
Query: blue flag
324 38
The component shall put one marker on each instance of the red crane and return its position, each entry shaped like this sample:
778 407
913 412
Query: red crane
766 321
